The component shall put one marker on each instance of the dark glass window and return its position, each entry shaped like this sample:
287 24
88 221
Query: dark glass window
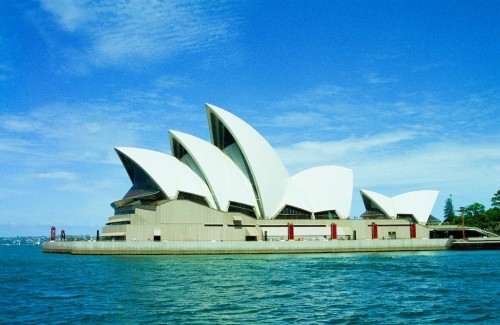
178 150
221 136
290 212
408 217
192 197
243 208
119 223
373 214
329 214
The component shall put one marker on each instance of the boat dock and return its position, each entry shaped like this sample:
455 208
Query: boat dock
474 244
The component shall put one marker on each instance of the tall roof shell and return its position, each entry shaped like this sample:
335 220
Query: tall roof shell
384 203
168 172
418 203
225 180
265 168
327 188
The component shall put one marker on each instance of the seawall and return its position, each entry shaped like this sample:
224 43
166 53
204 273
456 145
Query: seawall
237 247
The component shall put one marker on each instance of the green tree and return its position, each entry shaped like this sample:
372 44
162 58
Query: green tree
449 211
474 210
495 200
492 220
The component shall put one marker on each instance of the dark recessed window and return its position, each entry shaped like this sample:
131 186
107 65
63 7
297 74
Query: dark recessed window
192 197
290 212
242 208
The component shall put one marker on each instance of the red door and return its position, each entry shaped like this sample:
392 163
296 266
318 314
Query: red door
333 231
290 231
374 231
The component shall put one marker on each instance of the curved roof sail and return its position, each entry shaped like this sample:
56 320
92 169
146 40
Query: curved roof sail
327 188
417 203
240 172
226 182
253 155
374 200
171 175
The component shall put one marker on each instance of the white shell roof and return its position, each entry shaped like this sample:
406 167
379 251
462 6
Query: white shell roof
384 203
224 178
418 203
295 197
168 172
327 188
269 174
249 171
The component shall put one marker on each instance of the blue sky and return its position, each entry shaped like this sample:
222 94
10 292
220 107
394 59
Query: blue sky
406 93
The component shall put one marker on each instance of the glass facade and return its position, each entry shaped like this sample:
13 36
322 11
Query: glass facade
243 208
221 136
192 197
329 214
290 212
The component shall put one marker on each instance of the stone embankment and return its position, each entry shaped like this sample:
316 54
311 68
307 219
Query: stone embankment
237 247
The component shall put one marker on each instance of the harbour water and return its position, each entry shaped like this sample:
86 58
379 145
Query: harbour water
438 287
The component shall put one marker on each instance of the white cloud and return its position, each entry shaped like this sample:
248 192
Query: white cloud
394 163
433 164
72 132
398 159
62 134
118 32
319 98
19 123
413 141
69 14
375 78
13 144
306 154
299 120
5 71
63 175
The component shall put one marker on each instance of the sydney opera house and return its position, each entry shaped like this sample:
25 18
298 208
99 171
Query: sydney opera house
236 188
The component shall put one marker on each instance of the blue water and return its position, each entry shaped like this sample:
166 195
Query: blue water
444 287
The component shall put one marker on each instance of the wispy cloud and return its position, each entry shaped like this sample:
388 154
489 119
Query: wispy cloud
298 120
63 175
307 154
118 32
319 97
5 71
375 78
72 132
432 164
63 135
397 163
20 123
407 142
356 110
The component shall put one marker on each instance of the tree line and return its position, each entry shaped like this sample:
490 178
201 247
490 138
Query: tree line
475 215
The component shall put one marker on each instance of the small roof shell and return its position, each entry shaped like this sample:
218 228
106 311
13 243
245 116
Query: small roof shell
384 203
327 188
168 172
418 203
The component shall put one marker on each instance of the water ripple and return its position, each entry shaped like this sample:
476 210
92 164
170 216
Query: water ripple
390 288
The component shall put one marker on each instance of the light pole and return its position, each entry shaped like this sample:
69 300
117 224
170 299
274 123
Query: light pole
463 226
